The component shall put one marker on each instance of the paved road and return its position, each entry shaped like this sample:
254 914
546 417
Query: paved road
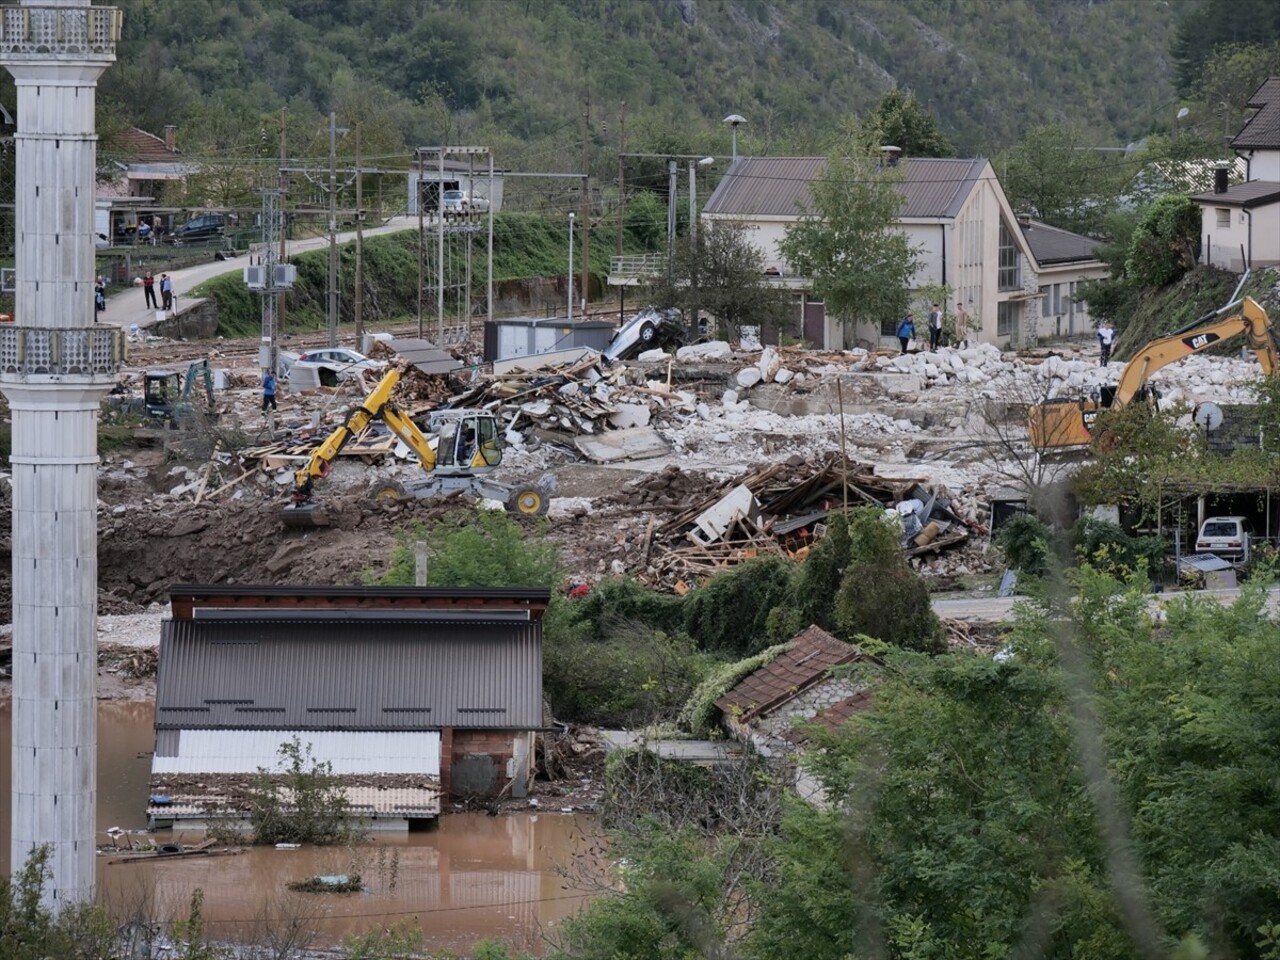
997 609
126 307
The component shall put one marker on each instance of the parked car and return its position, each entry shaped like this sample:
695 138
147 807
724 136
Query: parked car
1225 537
649 329
454 203
337 362
205 227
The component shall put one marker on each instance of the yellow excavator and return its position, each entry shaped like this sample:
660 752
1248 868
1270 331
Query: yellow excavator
469 447
1069 422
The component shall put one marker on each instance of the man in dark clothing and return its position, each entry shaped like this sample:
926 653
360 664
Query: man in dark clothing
935 328
149 290
268 391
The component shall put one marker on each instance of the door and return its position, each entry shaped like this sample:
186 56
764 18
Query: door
815 320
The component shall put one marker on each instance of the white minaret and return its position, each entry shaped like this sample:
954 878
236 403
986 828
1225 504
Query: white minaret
55 368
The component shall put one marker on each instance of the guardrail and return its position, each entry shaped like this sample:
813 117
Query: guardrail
64 351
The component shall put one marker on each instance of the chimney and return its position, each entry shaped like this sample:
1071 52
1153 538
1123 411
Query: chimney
1024 221
171 137
1220 177
890 155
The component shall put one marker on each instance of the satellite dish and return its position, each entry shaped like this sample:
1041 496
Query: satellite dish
1208 415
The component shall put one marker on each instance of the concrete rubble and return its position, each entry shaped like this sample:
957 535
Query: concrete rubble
640 449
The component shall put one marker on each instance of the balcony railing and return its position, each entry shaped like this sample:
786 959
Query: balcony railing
71 351
68 31
646 265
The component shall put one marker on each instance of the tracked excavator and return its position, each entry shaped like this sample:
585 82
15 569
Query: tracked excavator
469 448
1058 424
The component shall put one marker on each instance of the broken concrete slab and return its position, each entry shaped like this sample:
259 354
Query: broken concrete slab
636 443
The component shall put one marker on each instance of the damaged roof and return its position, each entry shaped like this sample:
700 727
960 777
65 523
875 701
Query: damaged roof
813 652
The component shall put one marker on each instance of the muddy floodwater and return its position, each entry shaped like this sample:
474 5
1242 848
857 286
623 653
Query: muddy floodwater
477 876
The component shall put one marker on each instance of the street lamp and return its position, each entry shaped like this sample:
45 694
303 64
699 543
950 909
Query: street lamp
693 194
571 265
1182 114
733 120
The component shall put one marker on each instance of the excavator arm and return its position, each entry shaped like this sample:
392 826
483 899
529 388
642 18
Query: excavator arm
1252 321
377 404
1069 423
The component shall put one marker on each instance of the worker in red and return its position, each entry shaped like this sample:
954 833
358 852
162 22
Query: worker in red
577 589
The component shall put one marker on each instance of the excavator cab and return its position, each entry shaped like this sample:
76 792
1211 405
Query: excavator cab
468 439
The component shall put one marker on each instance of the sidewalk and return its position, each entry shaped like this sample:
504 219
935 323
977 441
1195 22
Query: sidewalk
126 306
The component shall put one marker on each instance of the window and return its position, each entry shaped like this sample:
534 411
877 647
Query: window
889 328
1071 299
1224 216
1010 276
1006 318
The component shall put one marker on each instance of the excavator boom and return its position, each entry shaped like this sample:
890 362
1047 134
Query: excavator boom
1068 423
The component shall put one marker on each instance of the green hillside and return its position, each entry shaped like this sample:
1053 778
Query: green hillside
514 74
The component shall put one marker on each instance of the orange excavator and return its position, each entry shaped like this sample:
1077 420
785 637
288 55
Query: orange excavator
468 449
1056 424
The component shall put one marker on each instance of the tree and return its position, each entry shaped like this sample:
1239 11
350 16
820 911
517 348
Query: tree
879 595
847 242
1219 25
1229 78
1163 245
1054 176
902 122
720 272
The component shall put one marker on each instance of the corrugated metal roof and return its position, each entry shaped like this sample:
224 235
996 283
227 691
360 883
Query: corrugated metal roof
779 186
812 653
349 675
1262 131
1050 245
348 751
186 598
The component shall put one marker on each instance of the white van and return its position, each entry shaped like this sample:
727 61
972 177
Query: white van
1225 537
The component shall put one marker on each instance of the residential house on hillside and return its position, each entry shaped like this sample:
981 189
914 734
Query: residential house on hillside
136 168
954 210
412 694
1064 260
1240 223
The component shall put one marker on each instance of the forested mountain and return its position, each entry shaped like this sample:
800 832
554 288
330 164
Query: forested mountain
514 74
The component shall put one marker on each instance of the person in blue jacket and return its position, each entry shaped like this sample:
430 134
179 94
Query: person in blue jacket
906 330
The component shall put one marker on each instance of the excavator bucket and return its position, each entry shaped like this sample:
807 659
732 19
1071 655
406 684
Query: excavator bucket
304 515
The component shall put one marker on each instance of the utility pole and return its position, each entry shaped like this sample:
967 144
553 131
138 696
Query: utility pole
422 239
334 130
585 285
284 226
622 186
671 210
359 295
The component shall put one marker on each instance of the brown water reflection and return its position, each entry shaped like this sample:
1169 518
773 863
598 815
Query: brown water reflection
476 876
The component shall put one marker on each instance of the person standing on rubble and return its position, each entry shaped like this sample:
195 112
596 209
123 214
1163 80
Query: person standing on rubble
268 391
935 328
1106 336
906 330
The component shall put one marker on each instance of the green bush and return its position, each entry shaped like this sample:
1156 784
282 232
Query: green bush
620 602
1163 244
890 604
632 678
1105 546
700 715
304 804
1025 542
730 612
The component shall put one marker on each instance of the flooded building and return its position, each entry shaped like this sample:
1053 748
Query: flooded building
409 694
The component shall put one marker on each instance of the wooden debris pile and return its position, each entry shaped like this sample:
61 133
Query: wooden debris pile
781 508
